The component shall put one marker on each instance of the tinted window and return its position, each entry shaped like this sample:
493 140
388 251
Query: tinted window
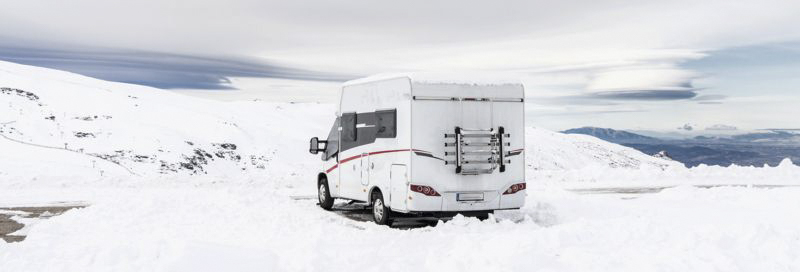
333 142
386 123
349 127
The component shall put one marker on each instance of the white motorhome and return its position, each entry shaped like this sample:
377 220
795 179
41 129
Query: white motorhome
425 145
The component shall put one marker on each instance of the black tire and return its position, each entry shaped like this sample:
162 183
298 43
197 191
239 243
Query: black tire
324 194
484 216
380 213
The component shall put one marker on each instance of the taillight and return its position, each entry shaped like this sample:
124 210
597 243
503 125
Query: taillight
425 190
515 188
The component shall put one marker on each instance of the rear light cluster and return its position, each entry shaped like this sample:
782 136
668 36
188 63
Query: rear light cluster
425 190
514 188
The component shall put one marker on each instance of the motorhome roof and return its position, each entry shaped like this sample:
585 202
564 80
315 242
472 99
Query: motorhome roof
442 78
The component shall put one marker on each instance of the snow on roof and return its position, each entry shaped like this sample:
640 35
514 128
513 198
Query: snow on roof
472 78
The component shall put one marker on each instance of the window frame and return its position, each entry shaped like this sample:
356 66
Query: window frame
392 131
344 135
332 146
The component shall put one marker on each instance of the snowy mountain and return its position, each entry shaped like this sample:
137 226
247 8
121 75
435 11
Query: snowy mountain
663 154
611 135
113 129
83 130
556 151
769 147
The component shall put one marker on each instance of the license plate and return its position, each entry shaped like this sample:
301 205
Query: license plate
469 197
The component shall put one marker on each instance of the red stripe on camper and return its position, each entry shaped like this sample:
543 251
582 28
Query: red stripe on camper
370 154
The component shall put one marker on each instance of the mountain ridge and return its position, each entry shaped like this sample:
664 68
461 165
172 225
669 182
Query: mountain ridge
748 149
154 133
612 135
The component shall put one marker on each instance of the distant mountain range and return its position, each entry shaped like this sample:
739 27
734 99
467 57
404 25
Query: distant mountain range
611 135
756 149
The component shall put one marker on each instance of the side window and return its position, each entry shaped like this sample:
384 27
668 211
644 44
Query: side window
333 142
349 127
387 123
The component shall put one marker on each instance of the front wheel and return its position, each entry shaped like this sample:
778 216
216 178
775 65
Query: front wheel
324 194
380 213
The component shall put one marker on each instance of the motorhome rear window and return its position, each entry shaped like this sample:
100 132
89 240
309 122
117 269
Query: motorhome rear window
387 123
349 127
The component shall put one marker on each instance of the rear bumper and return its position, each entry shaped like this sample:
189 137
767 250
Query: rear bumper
434 215
448 202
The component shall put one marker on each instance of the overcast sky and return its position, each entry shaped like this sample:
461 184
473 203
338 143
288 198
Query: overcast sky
623 64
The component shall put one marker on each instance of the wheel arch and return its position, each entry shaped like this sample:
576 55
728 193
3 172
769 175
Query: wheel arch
321 176
372 190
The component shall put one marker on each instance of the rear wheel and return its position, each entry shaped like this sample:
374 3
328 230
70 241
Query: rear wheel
484 216
380 213
324 194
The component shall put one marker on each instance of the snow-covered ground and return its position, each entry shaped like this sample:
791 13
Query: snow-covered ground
223 228
168 191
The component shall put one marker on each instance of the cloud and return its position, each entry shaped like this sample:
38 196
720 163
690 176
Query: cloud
589 55
648 77
645 82
687 127
363 36
162 70
721 127
710 97
588 112
652 95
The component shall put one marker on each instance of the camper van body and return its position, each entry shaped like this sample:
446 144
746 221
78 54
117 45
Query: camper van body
428 145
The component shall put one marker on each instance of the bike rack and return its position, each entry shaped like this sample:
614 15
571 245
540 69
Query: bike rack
475 149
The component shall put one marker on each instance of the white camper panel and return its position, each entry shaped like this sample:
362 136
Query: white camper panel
368 166
436 110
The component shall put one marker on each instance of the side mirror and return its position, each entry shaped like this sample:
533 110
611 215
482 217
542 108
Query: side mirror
314 145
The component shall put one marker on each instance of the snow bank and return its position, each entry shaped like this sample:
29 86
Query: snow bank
254 229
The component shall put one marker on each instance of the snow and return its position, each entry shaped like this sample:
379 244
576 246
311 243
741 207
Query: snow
239 215
433 77
160 229
137 131
27 222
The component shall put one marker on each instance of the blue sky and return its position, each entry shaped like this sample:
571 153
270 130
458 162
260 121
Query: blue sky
647 65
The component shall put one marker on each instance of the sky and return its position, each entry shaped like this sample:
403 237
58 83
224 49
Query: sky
681 65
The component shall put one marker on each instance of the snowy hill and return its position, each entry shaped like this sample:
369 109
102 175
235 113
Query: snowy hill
556 151
116 129
82 130
612 135
128 130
